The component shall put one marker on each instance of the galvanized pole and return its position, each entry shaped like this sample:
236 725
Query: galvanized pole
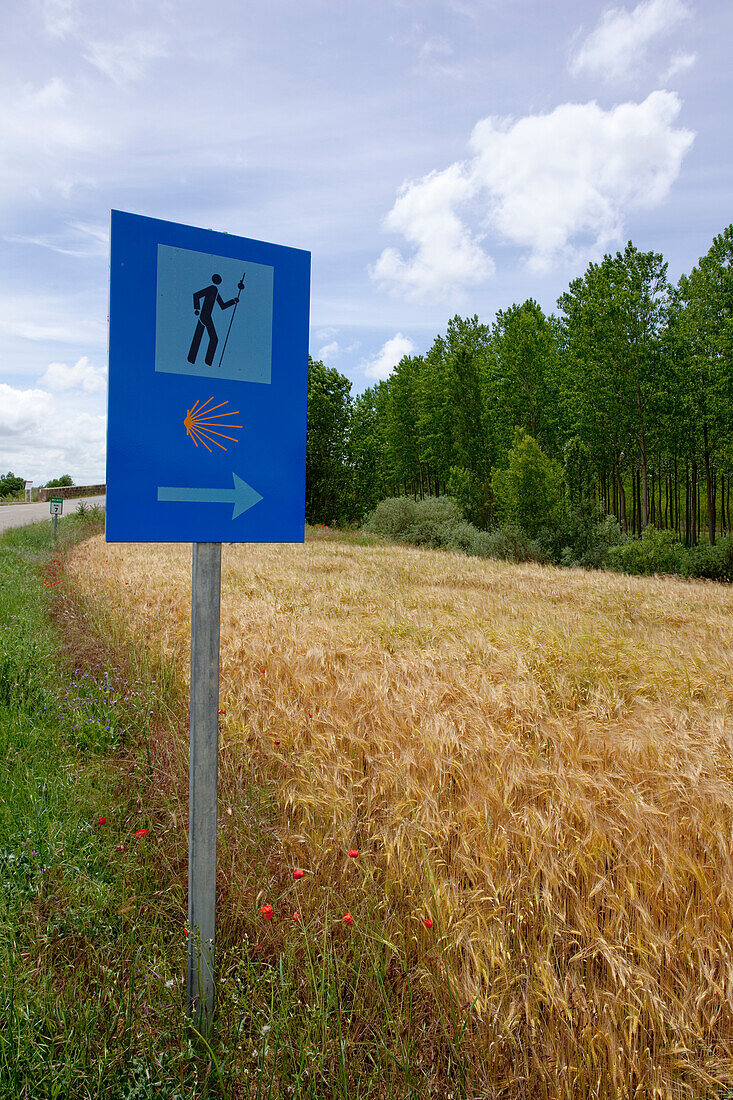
204 752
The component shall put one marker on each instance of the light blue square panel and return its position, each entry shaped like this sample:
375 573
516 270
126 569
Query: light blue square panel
213 316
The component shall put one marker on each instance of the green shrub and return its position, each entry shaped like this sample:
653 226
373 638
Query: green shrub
584 536
433 522
655 552
391 518
713 562
510 543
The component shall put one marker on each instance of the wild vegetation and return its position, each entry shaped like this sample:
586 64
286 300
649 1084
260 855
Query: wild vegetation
516 783
627 392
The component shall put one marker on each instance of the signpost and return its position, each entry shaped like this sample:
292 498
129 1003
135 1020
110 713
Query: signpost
208 376
56 508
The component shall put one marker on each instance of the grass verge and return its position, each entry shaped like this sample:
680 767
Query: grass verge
93 862
91 968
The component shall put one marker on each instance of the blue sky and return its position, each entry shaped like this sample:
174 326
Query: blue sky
434 157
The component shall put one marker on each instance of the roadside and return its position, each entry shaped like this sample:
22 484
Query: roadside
93 862
92 936
19 515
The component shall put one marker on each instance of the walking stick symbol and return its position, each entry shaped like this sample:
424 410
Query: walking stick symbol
240 287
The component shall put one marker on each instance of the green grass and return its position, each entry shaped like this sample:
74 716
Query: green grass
79 920
92 936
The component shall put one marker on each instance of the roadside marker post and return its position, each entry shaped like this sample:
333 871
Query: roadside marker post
56 509
208 378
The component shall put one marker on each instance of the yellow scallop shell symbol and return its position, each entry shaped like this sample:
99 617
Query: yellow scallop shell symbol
202 421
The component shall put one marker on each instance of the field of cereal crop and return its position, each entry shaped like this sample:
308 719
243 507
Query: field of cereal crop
537 760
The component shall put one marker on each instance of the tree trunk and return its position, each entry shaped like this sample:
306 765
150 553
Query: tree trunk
709 487
644 485
622 503
693 503
722 505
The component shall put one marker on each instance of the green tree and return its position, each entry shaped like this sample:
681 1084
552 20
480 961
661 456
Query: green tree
529 492
524 375
703 323
10 484
367 451
402 430
326 475
614 319
59 482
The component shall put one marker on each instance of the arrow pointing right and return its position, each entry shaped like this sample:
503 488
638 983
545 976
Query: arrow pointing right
242 496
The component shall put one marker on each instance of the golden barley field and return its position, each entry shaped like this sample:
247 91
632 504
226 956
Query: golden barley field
538 759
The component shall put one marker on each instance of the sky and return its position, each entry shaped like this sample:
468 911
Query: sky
435 157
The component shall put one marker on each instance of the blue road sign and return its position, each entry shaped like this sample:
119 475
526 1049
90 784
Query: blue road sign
208 378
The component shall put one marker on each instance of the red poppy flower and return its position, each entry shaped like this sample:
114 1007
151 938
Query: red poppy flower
297 873
353 853
428 922
101 821
141 832
296 917
348 919
277 742
267 911
222 712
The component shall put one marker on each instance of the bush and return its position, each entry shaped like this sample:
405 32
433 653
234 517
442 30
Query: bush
438 522
584 536
428 522
713 562
434 520
655 552
510 543
391 518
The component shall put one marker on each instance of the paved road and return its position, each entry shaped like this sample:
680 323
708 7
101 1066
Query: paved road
17 515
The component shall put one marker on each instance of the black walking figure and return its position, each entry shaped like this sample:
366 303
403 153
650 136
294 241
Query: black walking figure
203 303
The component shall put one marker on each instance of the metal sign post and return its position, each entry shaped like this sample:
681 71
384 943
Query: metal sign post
203 761
208 382
56 509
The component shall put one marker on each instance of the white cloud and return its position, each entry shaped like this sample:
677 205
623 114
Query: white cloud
79 239
679 63
447 256
39 317
618 45
83 375
387 358
126 59
558 185
43 138
329 351
571 175
42 435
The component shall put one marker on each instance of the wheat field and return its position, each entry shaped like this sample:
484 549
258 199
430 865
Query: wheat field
536 759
